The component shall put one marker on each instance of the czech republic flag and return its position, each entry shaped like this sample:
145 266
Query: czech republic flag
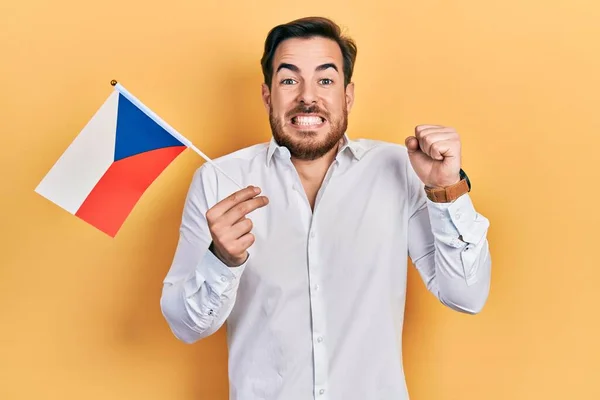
110 164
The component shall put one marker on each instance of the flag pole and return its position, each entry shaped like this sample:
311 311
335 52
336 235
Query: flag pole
168 128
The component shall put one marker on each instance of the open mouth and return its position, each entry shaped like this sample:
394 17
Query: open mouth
307 121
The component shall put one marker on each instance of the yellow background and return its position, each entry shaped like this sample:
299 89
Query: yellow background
80 315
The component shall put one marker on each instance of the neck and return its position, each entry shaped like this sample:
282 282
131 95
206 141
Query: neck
312 173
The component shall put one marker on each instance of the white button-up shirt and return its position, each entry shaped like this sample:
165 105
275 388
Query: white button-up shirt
316 312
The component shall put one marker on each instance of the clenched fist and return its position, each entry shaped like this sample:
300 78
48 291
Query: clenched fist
229 227
434 153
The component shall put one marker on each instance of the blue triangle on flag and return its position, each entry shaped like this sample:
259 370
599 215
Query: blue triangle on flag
137 132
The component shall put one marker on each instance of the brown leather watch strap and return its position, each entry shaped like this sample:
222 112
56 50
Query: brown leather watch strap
448 194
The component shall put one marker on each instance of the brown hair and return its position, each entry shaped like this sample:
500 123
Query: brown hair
306 28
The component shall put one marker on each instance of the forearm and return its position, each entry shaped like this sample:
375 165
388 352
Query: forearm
457 264
462 275
198 305
199 291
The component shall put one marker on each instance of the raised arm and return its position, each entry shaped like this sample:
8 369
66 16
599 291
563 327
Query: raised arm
200 288
447 240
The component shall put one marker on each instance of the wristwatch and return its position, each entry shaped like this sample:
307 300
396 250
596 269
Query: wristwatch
450 193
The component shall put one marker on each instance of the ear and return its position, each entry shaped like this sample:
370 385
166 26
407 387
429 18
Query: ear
266 96
349 96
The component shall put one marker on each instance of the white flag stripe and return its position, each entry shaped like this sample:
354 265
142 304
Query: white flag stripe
80 167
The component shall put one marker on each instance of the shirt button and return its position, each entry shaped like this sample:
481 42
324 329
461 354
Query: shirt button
312 234
320 339
321 391
457 215
223 279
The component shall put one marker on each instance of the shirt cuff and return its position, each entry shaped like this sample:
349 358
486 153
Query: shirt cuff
218 276
457 219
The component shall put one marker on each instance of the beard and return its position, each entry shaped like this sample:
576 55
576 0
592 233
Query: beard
309 146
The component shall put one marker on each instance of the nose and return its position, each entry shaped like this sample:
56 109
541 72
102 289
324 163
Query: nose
307 93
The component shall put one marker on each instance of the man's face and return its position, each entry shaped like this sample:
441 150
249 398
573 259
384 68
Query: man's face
308 104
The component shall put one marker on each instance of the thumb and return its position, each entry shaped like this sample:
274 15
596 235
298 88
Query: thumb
412 144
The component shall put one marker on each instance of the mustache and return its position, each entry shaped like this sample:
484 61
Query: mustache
302 109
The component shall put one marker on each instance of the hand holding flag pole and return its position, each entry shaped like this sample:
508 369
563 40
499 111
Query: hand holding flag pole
168 128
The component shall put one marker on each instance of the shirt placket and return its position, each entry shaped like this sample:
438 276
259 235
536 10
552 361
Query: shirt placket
315 268
317 306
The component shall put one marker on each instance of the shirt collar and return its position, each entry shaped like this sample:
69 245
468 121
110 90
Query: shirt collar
347 144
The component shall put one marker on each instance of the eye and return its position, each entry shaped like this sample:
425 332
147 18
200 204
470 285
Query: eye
288 81
326 81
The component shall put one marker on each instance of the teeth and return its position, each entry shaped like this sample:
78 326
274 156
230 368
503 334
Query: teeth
307 120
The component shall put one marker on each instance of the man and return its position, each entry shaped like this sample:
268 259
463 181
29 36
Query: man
308 264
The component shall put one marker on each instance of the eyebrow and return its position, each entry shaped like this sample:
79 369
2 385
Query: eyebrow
328 65
295 69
